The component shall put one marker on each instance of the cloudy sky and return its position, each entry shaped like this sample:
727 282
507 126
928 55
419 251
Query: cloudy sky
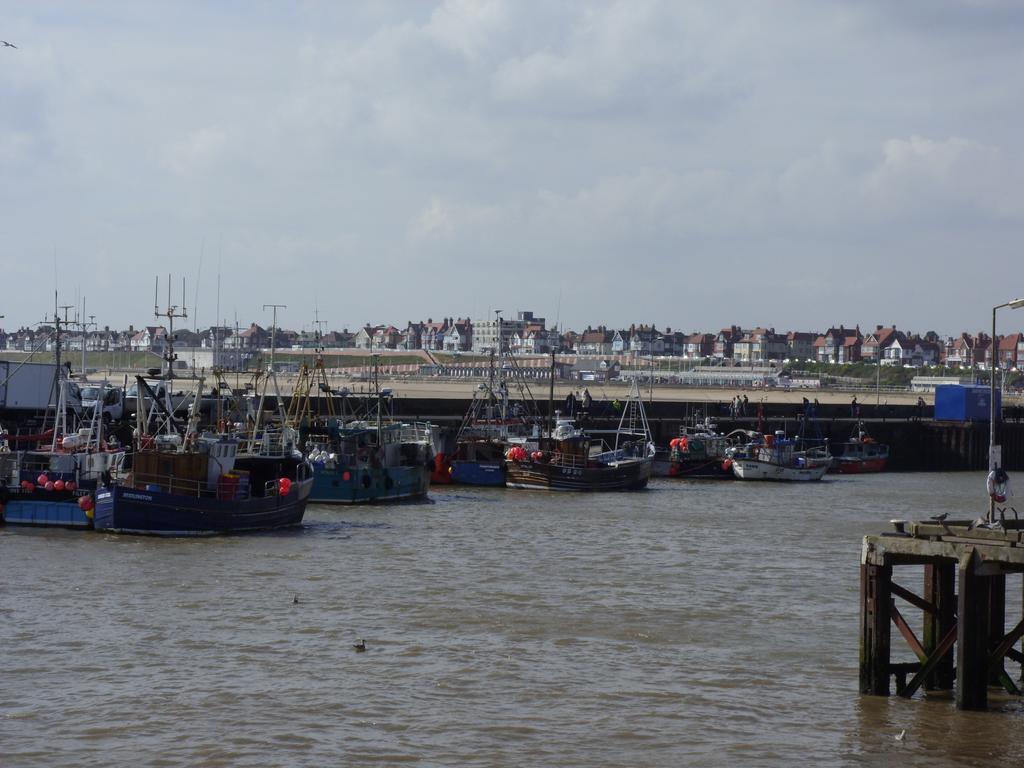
785 163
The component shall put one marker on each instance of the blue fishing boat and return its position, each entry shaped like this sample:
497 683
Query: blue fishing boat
361 455
53 484
361 462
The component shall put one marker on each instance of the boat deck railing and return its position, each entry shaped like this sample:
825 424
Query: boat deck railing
196 488
416 432
572 460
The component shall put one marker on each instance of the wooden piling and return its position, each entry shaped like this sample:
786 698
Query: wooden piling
940 595
996 625
972 637
876 594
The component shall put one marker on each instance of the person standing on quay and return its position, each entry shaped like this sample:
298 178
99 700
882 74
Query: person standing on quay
854 408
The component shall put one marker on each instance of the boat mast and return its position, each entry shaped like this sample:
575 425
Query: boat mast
60 416
501 357
551 396
380 404
170 312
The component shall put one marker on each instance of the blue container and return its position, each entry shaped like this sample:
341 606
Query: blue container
963 402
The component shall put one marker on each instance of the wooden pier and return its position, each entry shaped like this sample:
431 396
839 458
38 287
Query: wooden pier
964 644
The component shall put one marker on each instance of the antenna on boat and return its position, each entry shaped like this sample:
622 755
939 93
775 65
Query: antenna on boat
170 312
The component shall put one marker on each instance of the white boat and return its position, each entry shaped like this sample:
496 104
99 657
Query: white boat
774 457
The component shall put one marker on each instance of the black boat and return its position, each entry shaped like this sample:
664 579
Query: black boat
572 459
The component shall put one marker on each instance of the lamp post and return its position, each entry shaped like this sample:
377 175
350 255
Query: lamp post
993 361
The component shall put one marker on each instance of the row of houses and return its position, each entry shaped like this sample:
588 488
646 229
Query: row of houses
526 335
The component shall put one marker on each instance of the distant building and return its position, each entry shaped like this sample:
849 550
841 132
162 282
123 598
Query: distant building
595 341
485 331
725 340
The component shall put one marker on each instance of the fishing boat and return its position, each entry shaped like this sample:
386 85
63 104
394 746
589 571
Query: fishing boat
362 462
186 483
493 423
53 485
355 460
181 482
860 454
699 451
205 489
774 457
570 458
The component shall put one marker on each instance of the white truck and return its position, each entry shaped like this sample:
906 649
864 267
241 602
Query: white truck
112 398
178 396
27 388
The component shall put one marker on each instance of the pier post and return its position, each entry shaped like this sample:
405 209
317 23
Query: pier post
996 624
940 592
876 595
972 638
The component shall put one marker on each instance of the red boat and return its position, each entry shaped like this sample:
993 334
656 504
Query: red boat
861 453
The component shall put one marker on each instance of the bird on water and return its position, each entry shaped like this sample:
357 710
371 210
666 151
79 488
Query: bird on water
360 646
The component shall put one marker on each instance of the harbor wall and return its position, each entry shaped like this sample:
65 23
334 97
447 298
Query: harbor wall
915 444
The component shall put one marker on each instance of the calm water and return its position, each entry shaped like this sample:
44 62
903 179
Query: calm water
691 624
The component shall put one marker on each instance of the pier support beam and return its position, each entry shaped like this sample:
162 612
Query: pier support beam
972 638
876 595
940 592
996 625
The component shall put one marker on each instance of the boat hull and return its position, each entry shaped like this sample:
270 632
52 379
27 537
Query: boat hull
857 466
628 475
52 512
698 468
752 469
123 509
369 485
481 473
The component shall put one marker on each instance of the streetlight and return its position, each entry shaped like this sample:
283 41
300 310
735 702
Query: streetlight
994 358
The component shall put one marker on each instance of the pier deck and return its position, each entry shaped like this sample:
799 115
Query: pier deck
964 643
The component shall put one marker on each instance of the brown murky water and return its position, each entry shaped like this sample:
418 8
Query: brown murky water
691 624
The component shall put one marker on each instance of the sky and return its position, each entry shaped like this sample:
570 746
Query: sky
789 164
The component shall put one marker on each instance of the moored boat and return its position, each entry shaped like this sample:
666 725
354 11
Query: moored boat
365 460
565 463
774 457
860 454
54 485
360 463
697 452
572 459
493 423
207 488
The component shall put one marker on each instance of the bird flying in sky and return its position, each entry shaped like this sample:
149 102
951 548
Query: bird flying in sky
8 45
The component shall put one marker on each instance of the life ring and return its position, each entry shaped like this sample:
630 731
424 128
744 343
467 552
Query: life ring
998 485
